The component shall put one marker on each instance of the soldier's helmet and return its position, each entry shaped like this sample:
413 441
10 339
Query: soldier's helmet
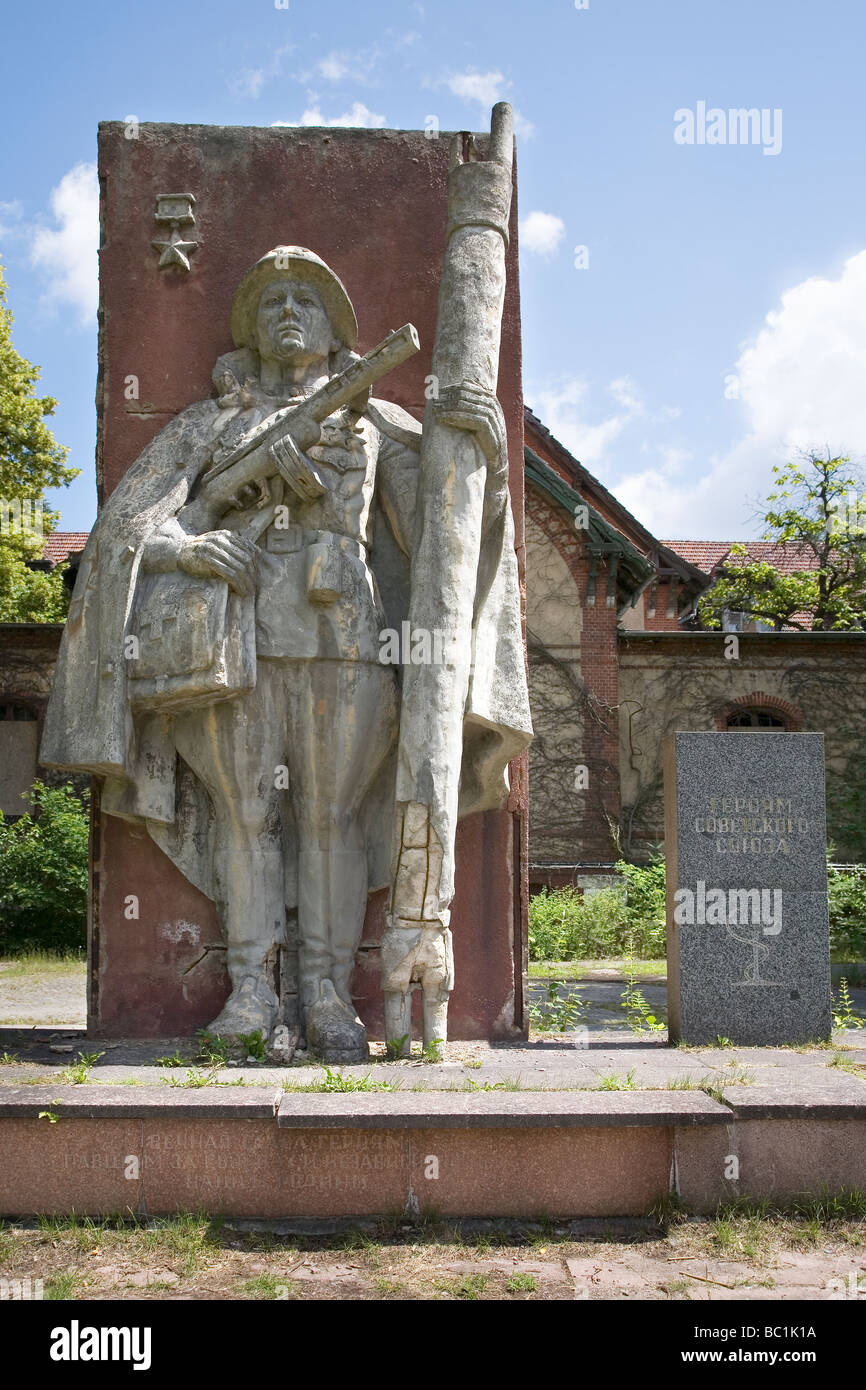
292 263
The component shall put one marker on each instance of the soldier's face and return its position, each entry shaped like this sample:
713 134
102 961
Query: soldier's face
292 323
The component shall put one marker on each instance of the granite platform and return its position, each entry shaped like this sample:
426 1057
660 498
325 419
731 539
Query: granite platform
612 1128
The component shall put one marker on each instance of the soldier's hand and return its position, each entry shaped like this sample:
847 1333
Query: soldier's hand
478 411
221 555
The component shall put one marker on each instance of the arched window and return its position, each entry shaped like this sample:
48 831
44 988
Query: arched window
755 719
19 737
20 712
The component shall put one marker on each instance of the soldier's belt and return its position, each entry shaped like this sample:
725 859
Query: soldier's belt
331 538
288 539
324 551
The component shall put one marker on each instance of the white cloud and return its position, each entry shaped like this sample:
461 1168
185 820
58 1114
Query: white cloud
673 458
359 115
598 435
248 82
523 128
333 67
800 380
487 88
564 409
359 64
10 220
625 393
798 384
541 233
67 253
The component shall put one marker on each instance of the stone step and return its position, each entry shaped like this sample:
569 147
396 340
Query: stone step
258 1152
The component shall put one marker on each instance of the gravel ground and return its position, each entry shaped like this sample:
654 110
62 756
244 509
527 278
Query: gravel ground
692 1260
44 996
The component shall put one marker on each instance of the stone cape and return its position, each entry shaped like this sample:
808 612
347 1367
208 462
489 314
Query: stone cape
89 726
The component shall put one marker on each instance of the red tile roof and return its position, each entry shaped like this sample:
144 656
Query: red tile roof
786 558
708 555
61 544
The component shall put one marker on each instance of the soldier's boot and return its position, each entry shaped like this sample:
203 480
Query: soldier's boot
331 899
437 982
254 900
416 948
398 1018
348 905
416 955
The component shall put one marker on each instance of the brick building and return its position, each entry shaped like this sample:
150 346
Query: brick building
617 661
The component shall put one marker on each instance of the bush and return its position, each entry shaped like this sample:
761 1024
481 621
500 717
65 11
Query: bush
645 907
566 925
847 895
43 874
551 921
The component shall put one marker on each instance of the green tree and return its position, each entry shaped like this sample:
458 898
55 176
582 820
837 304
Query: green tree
818 512
31 460
43 873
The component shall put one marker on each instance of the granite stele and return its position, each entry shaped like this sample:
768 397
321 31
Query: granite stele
748 935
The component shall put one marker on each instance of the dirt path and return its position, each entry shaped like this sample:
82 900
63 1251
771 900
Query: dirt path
43 996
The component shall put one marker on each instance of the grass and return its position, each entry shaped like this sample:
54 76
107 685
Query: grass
185 1240
337 1081
511 1083
268 1286
78 1072
197 1077
399 1259
740 1076
846 1064
468 1288
714 1084
387 1286
759 1231
580 969
616 1081
42 963
62 1286
677 1286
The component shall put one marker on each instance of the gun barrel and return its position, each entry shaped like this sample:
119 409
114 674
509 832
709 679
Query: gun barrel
245 462
391 352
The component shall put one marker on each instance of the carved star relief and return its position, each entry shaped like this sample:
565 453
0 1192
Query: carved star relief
175 251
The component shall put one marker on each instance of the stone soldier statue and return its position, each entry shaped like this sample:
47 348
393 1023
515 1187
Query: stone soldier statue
220 667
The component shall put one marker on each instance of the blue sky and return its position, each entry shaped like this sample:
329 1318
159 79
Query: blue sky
721 320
